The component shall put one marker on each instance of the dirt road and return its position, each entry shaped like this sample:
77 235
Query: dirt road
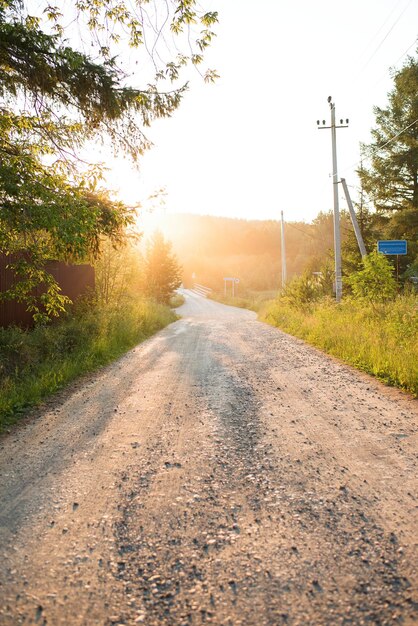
220 473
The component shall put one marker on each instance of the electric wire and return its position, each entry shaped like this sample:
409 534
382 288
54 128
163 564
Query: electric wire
304 232
379 30
407 50
386 36
354 165
383 76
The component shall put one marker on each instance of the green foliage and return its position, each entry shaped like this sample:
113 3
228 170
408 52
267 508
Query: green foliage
162 272
119 271
51 303
302 291
375 282
391 177
369 225
412 271
391 180
56 223
382 341
53 99
34 364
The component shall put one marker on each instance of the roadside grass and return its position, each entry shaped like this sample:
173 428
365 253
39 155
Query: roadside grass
252 300
379 339
176 300
36 363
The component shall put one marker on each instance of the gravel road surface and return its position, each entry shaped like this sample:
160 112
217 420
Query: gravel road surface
220 473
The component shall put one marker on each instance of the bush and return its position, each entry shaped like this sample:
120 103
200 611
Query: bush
302 291
374 283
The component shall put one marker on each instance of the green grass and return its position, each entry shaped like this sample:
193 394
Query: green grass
381 340
253 300
36 363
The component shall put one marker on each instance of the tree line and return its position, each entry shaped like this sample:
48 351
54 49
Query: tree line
211 248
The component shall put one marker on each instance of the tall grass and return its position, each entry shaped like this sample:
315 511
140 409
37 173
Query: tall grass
35 363
381 339
252 300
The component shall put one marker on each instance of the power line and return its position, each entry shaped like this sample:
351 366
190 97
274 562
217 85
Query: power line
407 50
396 62
396 136
321 239
356 163
303 231
385 37
379 30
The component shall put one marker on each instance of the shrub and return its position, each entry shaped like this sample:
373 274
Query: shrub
375 281
302 291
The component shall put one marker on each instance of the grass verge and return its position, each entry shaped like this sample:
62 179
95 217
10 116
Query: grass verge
381 340
36 363
253 300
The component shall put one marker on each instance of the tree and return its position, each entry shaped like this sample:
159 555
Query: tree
391 178
53 99
162 272
118 272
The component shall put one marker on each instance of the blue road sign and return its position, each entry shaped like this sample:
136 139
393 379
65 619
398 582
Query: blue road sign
392 246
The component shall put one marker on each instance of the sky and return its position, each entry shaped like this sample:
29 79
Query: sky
248 146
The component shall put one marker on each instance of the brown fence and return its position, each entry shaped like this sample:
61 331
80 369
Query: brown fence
74 280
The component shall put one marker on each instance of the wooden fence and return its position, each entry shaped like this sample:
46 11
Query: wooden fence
201 290
74 280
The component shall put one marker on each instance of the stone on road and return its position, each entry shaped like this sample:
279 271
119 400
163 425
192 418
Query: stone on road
221 473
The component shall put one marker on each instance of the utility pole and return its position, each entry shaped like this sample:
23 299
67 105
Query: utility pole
361 199
337 229
284 276
353 216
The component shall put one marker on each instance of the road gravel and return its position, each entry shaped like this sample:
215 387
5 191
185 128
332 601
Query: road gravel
220 473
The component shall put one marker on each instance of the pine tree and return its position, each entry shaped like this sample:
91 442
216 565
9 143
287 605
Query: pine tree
391 180
162 275
391 177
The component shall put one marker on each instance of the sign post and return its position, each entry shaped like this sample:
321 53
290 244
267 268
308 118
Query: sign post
233 281
393 247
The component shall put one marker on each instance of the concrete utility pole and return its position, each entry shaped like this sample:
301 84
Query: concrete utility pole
337 230
284 276
354 221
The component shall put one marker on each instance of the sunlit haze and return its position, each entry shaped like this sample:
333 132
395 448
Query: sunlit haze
248 146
